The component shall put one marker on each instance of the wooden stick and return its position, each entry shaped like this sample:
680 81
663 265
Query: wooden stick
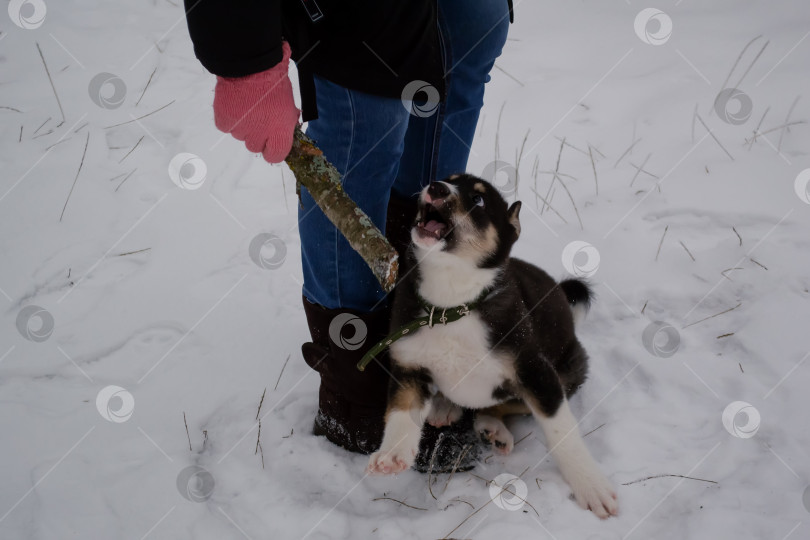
322 180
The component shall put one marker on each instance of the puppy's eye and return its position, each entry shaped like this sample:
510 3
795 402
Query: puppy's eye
478 200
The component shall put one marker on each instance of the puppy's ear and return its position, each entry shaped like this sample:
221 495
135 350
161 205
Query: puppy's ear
514 217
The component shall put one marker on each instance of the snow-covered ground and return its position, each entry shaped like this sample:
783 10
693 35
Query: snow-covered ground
152 288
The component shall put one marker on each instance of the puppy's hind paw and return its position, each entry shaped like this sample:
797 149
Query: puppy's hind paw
493 431
443 413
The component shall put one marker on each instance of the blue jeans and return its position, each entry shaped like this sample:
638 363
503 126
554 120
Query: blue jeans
380 148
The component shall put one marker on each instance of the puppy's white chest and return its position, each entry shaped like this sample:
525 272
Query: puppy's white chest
459 359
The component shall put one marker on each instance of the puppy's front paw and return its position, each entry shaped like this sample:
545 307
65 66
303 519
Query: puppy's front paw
391 461
493 431
594 492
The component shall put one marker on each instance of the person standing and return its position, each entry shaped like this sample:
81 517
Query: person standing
392 93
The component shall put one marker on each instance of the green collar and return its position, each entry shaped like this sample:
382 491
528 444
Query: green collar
434 314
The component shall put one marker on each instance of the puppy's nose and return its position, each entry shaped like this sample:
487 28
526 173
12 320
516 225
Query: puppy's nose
438 190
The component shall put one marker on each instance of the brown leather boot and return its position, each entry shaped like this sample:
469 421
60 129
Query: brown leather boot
351 403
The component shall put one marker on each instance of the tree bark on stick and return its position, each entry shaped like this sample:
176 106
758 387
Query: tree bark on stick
322 180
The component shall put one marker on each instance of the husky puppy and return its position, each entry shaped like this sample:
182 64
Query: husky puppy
512 351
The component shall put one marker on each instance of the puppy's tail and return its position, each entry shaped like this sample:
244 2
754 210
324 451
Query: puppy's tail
580 296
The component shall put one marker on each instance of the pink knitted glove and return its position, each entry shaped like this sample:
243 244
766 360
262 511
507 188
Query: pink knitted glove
259 109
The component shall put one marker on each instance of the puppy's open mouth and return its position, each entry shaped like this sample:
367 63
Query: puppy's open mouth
432 224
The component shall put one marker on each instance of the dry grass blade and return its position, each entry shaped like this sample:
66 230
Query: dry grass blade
574 204
593 165
629 149
669 476
713 316
554 177
280 374
53 87
594 429
140 117
261 401
549 205
132 253
754 61
460 457
756 130
133 149
757 263
687 250
126 178
736 62
787 121
187 435
738 234
145 87
783 126
400 502
86 142
661 243
715 138
641 168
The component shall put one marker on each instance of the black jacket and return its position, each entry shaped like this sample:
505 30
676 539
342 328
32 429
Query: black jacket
374 46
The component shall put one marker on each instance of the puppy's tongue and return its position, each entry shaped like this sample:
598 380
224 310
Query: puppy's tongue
434 226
